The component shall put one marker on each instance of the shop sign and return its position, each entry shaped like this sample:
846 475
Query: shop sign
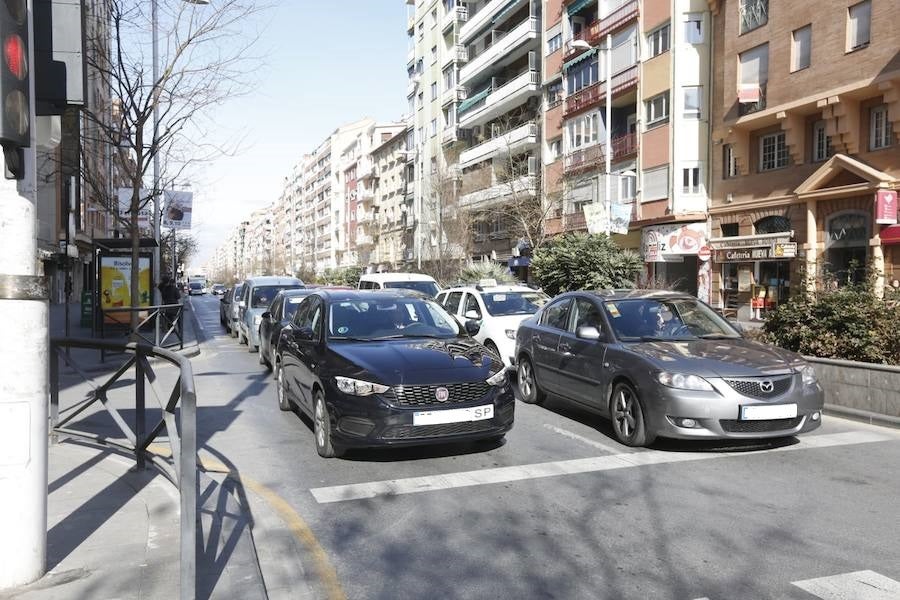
743 254
666 243
788 250
886 207
704 253
749 242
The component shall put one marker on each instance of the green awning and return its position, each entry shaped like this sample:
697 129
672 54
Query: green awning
576 6
504 11
579 58
473 100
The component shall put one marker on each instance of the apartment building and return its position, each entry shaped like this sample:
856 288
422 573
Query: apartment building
625 128
805 147
259 242
393 220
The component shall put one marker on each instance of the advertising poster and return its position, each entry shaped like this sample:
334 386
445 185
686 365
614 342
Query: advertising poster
665 242
621 218
179 206
145 213
115 285
595 217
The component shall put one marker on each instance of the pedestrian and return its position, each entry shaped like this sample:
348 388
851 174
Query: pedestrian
170 295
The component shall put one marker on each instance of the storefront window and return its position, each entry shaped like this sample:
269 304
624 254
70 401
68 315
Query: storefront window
846 246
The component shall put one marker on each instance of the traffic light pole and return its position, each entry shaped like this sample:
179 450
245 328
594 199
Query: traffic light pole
23 392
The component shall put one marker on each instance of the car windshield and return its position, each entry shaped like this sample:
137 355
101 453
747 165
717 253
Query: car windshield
388 318
196 286
500 304
427 287
653 319
263 295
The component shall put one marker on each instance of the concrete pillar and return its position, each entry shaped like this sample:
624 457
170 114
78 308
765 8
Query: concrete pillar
878 264
811 246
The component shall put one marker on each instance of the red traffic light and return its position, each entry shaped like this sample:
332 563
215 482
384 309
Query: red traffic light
14 54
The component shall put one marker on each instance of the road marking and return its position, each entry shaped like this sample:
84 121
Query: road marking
859 585
413 485
580 438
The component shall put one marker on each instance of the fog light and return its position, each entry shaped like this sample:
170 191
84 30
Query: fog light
816 415
689 423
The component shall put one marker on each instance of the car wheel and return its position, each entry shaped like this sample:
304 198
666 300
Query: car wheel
627 414
528 386
281 391
322 428
241 338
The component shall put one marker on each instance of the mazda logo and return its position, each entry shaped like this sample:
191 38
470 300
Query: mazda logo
766 386
441 394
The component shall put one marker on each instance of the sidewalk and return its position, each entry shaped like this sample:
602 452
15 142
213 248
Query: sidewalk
112 531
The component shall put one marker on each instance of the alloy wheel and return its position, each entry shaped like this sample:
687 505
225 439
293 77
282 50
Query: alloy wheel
624 413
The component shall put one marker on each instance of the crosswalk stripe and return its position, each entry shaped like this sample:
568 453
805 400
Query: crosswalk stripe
412 485
859 585
580 438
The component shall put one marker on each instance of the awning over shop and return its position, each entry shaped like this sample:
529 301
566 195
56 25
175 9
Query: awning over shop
578 59
577 6
890 235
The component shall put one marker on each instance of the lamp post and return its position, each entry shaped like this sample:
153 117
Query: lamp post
607 151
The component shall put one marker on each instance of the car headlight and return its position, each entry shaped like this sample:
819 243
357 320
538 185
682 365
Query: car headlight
357 387
684 382
498 378
808 373
511 334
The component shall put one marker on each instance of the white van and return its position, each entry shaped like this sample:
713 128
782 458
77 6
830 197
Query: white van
409 281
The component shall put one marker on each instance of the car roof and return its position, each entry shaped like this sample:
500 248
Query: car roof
272 280
490 289
341 295
382 277
295 292
629 294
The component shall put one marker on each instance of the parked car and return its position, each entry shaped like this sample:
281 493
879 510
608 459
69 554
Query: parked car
664 364
389 368
218 289
274 320
224 308
408 281
233 309
196 289
256 296
498 309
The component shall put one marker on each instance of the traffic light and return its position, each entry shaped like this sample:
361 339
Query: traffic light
15 126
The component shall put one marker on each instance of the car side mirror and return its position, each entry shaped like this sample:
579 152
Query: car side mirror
473 315
305 333
588 332
472 327
267 315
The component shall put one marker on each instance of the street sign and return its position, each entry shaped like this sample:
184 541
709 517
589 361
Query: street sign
704 253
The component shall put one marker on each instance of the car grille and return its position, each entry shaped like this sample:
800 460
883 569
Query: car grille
733 426
405 432
753 387
424 395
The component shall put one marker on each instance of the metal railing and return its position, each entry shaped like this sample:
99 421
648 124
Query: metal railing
166 320
179 426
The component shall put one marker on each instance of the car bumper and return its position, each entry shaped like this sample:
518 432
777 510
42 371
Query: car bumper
252 335
374 421
717 415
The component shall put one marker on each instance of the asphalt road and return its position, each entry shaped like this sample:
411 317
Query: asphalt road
561 510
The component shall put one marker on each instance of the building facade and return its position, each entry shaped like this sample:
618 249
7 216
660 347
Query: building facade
805 148
393 217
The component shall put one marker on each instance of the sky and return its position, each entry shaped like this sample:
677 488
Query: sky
327 62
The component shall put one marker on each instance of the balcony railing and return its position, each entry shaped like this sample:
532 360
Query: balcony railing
624 146
593 157
746 108
500 47
481 19
497 95
615 20
450 135
459 14
524 134
594 93
459 54
553 225
455 94
574 221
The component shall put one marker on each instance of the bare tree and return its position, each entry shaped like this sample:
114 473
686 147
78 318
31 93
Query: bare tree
449 241
203 60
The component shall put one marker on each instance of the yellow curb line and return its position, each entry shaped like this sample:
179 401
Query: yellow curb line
301 530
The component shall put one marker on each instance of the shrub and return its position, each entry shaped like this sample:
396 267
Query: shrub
584 261
473 272
849 323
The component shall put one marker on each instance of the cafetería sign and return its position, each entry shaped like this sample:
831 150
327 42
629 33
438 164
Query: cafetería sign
751 248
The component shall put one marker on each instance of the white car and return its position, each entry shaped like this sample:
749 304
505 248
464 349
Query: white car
498 309
410 281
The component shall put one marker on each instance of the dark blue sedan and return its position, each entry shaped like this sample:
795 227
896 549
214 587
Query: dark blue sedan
389 368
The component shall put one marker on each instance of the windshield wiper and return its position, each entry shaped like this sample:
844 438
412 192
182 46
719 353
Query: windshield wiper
350 338
718 336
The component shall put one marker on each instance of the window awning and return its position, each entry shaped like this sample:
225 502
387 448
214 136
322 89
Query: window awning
577 5
890 235
472 100
578 59
504 11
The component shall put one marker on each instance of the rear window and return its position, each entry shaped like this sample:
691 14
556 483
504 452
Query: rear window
262 296
196 286
427 287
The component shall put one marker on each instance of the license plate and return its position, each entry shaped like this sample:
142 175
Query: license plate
453 415
761 412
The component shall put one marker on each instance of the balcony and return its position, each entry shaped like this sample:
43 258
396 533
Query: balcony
503 45
364 240
450 135
511 141
499 99
592 95
455 94
459 53
521 187
458 15
574 221
411 55
553 225
593 157
746 93
482 19
364 194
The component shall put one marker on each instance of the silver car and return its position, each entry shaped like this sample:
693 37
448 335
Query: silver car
664 364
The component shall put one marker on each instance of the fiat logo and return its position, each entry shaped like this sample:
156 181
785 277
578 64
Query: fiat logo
766 386
441 394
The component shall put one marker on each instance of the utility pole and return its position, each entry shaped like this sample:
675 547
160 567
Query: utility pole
23 312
